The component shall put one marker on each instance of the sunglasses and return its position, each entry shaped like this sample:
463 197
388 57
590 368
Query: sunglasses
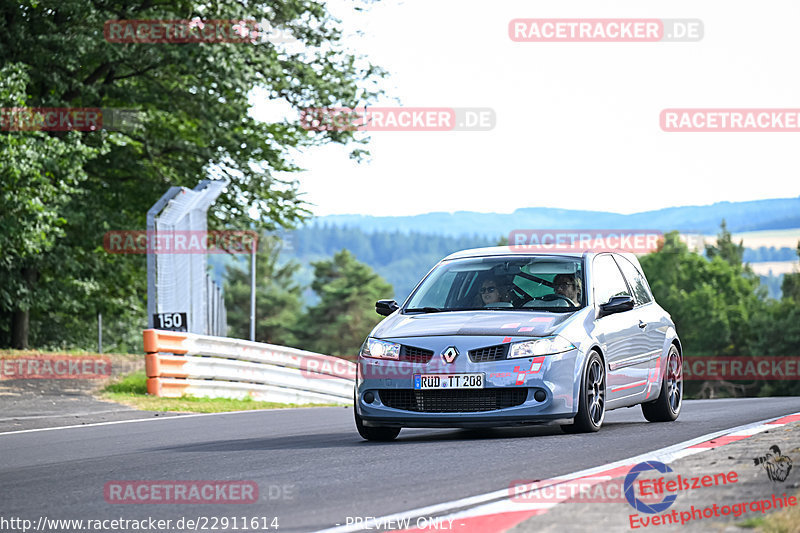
484 290
564 284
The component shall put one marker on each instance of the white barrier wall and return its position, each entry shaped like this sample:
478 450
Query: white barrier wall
181 364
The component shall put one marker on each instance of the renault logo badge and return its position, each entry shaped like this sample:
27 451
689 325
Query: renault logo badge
450 354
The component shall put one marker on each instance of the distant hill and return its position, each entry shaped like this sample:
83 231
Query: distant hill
740 216
404 258
403 249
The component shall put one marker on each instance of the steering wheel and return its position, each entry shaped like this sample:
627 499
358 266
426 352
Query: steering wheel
556 300
556 296
518 300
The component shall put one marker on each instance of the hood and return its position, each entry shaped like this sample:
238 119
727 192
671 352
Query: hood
501 323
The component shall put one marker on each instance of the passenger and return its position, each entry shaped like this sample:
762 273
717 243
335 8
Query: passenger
493 291
569 286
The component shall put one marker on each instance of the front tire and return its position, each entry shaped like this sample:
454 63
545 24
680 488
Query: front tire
592 399
667 406
381 434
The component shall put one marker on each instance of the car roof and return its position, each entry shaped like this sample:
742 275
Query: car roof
508 250
495 251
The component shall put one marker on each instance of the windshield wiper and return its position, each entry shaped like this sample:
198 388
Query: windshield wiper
528 309
532 309
424 310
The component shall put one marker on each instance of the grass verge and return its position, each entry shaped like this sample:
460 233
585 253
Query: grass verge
11 354
131 390
784 521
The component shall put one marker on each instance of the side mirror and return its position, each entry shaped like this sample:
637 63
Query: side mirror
616 304
386 307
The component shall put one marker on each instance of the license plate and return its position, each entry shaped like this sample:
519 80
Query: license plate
448 381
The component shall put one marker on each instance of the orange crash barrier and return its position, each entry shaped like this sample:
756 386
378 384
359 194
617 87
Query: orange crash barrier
164 341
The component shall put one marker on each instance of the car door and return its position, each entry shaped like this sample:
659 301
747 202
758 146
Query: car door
618 333
650 343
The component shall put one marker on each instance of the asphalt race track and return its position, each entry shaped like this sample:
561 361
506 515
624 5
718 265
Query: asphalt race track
312 468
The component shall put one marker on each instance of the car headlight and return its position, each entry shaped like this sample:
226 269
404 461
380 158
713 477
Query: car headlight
545 346
381 349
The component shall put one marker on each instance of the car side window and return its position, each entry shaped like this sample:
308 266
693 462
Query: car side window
636 281
608 280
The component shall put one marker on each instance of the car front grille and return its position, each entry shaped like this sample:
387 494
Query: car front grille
412 354
453 401
490 353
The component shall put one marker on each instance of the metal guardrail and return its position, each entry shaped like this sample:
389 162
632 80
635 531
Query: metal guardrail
179 364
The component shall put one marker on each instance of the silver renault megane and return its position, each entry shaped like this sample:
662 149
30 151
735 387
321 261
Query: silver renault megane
494 337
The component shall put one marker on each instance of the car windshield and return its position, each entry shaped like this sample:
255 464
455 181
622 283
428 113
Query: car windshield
541 283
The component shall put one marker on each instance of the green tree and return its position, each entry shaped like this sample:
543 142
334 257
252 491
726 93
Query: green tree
711 301
345 313
776 331
725 247
790 288
278 296
193 103
38 174
719 309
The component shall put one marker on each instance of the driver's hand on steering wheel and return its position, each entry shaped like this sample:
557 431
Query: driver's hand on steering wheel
557 296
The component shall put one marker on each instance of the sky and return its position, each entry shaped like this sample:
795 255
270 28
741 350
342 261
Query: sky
577 124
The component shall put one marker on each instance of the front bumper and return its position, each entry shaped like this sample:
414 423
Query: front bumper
542 393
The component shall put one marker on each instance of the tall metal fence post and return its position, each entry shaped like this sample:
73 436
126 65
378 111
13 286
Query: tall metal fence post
253 294
177 280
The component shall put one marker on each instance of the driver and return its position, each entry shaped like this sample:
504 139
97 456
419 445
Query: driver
569 286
